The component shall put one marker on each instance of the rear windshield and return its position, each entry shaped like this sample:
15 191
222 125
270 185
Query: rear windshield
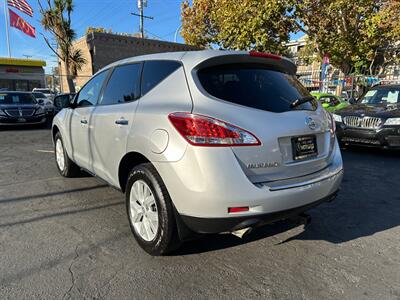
254 86
39 95
17 98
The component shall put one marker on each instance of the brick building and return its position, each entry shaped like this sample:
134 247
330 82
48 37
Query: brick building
100 49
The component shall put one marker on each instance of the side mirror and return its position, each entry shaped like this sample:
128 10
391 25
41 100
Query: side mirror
62 101
41 101
352 101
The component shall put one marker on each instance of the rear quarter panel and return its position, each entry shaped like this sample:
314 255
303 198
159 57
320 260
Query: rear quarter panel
171 95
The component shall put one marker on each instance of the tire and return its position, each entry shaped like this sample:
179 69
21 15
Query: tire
68 168
156 238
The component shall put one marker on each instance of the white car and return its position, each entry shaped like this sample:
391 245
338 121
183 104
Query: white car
45 102
47 92
201 142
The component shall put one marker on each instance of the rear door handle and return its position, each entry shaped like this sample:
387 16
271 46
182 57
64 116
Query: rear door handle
121 122
83 121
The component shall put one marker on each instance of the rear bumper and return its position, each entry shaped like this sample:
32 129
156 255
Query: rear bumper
218 225
385 137
205 183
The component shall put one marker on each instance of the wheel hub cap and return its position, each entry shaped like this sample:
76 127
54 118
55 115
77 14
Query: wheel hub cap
143 211
60 155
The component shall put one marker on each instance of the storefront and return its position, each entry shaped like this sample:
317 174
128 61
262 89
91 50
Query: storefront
21 74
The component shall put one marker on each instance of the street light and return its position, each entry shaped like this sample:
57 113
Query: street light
176 33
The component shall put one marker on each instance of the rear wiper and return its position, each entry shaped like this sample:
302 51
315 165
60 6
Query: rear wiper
300 101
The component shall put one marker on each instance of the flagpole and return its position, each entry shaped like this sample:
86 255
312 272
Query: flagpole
7 29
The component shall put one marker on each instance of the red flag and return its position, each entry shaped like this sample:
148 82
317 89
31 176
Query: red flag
19 23
21 5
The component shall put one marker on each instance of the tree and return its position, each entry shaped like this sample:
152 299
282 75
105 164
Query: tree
56 19
349 32
263 25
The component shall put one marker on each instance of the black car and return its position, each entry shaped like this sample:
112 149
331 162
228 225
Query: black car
374 120
20 108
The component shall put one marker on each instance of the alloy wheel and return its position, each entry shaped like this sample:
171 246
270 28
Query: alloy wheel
60 155
143 211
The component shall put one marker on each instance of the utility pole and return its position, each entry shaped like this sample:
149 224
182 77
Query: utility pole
141 4
141 25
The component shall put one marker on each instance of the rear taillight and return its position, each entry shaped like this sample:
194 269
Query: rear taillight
233 210
201 130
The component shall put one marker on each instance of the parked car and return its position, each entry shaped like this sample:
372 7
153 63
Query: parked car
44 101
49 94
203 142
20 108
62 100
373 121
330 102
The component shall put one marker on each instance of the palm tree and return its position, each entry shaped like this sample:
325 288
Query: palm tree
56 19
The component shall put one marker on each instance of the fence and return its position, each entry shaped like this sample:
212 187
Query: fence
347 86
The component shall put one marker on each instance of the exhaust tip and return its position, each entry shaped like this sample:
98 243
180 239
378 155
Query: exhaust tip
242 232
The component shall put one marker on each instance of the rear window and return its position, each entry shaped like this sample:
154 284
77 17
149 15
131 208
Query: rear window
254 86
17 98
39 95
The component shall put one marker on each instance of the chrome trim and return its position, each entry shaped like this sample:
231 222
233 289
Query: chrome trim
20 113
363 122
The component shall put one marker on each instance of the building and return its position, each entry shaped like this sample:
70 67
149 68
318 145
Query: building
21 74
101 48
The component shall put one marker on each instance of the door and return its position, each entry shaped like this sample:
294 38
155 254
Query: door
80 121
112 120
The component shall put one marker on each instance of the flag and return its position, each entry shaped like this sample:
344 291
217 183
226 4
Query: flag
19 23
21 5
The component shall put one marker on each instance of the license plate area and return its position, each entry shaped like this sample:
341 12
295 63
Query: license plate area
21 120
304 147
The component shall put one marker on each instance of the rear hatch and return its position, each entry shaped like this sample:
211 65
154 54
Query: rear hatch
256 94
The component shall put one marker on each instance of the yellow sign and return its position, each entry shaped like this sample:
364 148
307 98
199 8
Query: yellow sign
21 62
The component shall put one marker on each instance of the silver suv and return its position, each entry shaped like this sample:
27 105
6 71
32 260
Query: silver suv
201 142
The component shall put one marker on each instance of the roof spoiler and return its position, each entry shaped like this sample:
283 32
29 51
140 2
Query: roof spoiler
277 62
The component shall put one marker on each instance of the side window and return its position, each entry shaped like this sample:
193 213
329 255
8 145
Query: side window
123 85
90 92
156 71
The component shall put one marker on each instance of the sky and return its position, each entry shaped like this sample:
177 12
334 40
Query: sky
110 14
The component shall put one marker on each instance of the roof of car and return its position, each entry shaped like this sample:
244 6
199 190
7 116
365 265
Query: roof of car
322 94
190 58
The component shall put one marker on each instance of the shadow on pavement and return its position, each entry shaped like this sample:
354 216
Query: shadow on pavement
45 195
61 213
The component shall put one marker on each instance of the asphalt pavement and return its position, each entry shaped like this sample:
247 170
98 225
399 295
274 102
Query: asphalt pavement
70 239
